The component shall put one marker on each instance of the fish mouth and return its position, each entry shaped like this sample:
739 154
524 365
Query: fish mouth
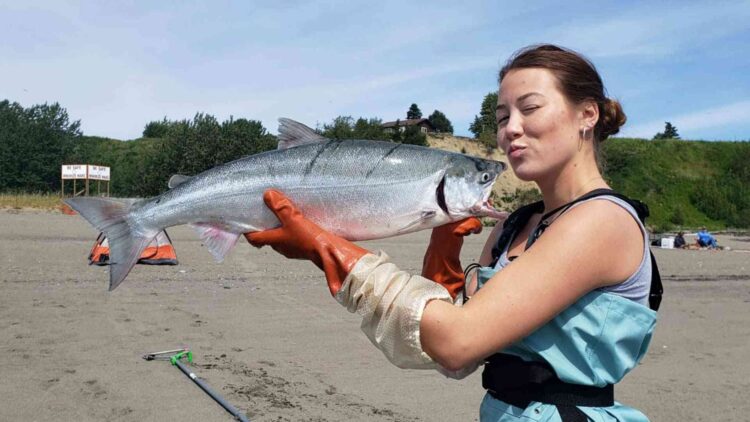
484 208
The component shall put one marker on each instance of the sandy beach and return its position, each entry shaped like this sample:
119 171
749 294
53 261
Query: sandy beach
266 334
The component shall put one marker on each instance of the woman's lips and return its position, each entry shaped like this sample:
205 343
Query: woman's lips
515 151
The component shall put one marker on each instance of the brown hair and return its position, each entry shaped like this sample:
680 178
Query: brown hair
579 81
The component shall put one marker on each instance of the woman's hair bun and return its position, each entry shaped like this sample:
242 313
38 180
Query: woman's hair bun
611 118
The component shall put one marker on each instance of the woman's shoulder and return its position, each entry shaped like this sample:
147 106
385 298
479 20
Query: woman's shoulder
600 216
607 209
615 231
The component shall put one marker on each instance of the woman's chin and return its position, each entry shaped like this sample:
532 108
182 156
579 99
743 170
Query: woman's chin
524 173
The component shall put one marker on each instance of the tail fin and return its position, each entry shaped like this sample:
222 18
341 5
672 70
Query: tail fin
126 243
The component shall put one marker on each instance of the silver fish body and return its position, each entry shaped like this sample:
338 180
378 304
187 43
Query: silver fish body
357 189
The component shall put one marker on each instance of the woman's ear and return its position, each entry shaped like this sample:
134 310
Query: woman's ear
588 113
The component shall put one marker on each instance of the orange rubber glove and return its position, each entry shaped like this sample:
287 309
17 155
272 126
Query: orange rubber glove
442 262
300 238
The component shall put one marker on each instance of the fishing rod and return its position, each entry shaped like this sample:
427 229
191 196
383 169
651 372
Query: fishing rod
175 357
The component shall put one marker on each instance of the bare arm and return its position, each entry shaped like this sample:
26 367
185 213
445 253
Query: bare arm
575 255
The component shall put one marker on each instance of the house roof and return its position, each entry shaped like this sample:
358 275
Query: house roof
407 122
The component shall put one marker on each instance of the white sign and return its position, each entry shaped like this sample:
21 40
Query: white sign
98 172
74 171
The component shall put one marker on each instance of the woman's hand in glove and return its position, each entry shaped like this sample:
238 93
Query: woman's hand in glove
300 238
442 262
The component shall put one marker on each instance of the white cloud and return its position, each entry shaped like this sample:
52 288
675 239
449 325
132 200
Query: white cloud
117 66
653 29
738 112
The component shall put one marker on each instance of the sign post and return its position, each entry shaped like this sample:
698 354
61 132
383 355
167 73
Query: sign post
99 173
84 172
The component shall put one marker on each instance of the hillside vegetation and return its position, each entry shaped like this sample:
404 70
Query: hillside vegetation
686 184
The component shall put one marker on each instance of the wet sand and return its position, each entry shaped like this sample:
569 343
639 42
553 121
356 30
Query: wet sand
266 334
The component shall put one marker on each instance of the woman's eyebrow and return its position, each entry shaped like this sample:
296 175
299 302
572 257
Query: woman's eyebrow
527 95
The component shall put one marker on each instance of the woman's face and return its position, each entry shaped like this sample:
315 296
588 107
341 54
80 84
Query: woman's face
537 128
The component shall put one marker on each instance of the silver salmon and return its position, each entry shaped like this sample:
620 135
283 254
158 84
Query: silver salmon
357 189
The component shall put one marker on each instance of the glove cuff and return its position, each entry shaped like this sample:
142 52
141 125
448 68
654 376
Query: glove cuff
391 303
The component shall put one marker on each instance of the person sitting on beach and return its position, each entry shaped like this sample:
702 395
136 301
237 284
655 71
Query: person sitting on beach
679 241
706 239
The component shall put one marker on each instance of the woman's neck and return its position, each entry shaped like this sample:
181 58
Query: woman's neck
570 183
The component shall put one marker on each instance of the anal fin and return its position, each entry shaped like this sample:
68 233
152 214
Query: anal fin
218 241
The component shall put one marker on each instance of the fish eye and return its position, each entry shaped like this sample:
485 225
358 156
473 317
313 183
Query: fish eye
485 177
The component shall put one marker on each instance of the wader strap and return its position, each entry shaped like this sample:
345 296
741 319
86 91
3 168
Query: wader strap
514 381
519 218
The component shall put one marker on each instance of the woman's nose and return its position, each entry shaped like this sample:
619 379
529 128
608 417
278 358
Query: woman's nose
514 127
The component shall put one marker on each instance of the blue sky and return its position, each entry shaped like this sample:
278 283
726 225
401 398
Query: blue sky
118 65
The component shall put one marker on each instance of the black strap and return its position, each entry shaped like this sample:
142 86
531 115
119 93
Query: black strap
657 290
515 222
517 382
519 218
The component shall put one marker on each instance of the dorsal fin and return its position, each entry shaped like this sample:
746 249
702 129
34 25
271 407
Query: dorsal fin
177 180
292 134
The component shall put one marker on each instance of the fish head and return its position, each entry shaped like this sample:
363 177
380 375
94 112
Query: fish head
466 186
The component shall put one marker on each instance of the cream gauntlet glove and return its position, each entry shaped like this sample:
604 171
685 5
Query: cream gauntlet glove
389 300
391 303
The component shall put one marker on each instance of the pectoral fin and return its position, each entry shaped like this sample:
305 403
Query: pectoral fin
423 218
218 241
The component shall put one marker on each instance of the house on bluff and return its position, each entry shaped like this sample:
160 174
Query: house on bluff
424 125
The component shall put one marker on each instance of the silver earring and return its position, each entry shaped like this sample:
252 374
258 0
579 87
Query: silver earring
582 138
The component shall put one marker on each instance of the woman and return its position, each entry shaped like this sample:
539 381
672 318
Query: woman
569 314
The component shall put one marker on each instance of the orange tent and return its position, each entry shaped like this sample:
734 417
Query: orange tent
158 252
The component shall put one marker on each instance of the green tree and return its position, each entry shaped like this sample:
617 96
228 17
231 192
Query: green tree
670 132
369 129
486 120
146 168
440 122
242 137
33 144
413 135
345 127
340 128
156 129
488 140
397 135
414 112
193 146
